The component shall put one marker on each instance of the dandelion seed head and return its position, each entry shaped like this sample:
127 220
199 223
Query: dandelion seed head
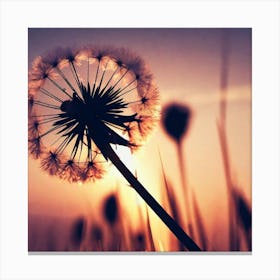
78 231
111 209
176 120
88 98
140 241
96 233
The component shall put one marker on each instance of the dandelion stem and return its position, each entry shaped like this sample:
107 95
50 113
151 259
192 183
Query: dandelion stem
152 244
172 201
162 214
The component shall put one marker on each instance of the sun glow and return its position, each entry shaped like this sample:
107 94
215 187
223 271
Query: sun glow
126 157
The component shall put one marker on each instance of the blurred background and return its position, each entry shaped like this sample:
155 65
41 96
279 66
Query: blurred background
206 70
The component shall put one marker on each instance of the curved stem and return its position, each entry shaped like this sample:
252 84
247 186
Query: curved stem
162 214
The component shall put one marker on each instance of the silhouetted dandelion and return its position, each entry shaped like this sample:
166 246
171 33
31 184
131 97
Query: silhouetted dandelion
176 121
82 100
96 233
111 214
110 209
140 242
86 100
172 202
243 215
78 231
97 237
200 224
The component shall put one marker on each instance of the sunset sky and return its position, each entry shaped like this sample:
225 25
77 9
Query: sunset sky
186 64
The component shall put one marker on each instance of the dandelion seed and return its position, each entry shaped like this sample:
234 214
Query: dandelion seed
145 124
150 99
41 70
34 85
30 102
51 163
35 147
70 171
54 57
33 127
92 171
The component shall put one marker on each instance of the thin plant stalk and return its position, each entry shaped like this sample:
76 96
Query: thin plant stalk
171 201
124 230
176 120
152 244
185 185
221 126
157 208
199 222
226 164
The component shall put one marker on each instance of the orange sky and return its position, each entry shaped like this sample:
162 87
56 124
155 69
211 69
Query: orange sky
186 64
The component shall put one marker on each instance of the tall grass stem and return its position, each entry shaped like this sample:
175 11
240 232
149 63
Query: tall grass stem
183 173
